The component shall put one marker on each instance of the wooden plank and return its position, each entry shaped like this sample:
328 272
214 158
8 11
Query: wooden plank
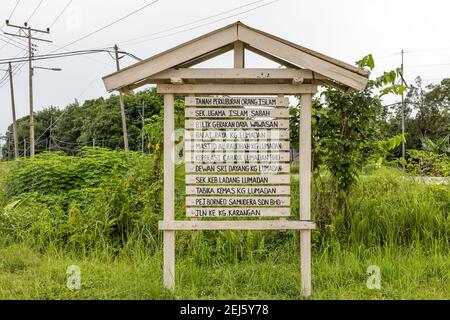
236 88
271 57
239 55
306 50
301 58
235 74
169 191
208 212
206 57
237 134
238 179
170 58
252 112
238 190
237 225
238 168
227 101
236 124
305 191
208 157
223 146
238 201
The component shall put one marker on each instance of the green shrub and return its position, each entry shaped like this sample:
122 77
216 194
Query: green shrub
422 162
100 199
119 206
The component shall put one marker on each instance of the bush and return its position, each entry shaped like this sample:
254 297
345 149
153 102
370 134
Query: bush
118 209
421 162
100 199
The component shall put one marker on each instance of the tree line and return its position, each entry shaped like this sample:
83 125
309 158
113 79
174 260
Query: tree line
97 122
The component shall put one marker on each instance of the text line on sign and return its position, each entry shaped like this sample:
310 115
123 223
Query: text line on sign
237 101
238 190
238 168
238 179
236 124
238 201
236 113
199 157
237 134
238 212
236 146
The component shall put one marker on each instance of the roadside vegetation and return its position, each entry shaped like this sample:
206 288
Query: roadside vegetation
81 201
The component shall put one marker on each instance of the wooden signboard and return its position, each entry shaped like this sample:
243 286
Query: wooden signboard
238 136
237 157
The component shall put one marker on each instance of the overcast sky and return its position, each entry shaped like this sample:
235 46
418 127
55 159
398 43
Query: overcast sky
346 30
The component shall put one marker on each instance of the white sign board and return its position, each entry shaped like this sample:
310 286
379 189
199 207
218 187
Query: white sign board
237 156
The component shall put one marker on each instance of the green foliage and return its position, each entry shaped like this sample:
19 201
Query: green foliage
346 127
381 149
409 212
427 114
441 145
366 61
98 199
423 162
402 223
95 122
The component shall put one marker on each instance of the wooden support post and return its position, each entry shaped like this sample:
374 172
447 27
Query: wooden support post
169 190
122 105
239 55
13 109
305 191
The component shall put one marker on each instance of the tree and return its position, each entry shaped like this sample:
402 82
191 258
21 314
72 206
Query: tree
96 121
345 129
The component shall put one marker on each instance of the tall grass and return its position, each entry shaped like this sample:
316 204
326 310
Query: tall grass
120 205
108 226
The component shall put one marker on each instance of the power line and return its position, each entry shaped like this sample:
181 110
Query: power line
413 51
34 11
61 13
14 9
429 65
54 56
13 40
108 25
14 44
201 25
10 15
16 69
191 23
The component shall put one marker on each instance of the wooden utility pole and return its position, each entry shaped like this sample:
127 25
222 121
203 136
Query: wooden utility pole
142 128
403 118
50 134
13 109
26 30
122 107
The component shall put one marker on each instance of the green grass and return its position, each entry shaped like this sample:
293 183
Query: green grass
408 273
108 227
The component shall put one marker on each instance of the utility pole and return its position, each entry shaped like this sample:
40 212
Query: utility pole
50 134
142 128
122 107
26 30
13 108
403 116
24 147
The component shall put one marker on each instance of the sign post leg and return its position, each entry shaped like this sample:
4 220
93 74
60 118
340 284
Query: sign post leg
169 189
305 191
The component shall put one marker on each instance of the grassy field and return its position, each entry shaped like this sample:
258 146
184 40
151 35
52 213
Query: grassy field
399 225
337 274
